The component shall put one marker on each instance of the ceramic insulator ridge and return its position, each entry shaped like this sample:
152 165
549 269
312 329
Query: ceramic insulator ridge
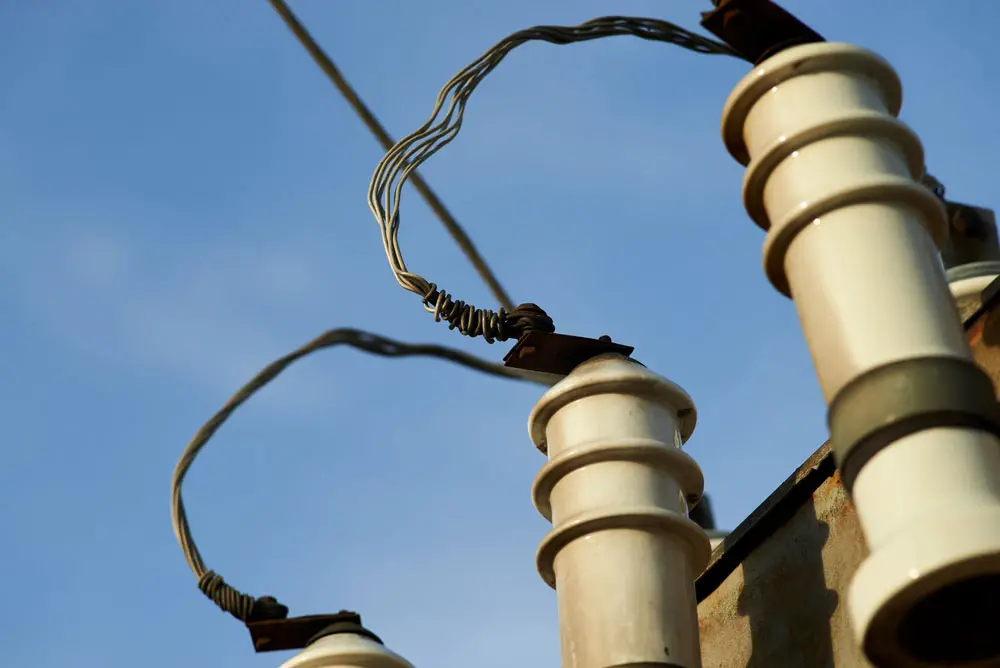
346 650
622 555
832 176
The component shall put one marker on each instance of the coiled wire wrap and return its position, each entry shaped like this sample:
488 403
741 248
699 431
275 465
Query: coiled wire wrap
244 606
393 171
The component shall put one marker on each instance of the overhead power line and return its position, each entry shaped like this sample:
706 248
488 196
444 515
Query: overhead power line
396 168
433 201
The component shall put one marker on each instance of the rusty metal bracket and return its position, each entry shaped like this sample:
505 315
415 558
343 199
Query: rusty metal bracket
273 635
972 235
756 29
558 353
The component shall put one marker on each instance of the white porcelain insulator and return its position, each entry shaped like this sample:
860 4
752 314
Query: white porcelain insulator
622 554
852 237
346 650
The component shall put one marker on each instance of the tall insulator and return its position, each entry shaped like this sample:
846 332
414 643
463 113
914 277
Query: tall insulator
622 554
852 237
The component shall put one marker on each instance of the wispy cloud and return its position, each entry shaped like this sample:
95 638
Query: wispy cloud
210 317
183 201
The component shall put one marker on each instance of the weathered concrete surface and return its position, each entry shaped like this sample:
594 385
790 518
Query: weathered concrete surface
784 604
774 595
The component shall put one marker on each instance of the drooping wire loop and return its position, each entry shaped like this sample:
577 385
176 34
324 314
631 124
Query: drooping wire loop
240 605
399 163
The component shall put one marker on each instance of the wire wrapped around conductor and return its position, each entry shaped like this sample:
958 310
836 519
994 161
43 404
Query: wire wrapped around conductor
391 174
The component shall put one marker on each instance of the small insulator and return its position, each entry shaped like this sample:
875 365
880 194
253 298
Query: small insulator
346 645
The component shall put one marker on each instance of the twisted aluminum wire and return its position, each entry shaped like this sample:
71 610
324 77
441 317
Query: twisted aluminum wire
394 170
244 606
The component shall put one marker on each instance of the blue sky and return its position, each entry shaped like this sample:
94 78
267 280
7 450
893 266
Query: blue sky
182 199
